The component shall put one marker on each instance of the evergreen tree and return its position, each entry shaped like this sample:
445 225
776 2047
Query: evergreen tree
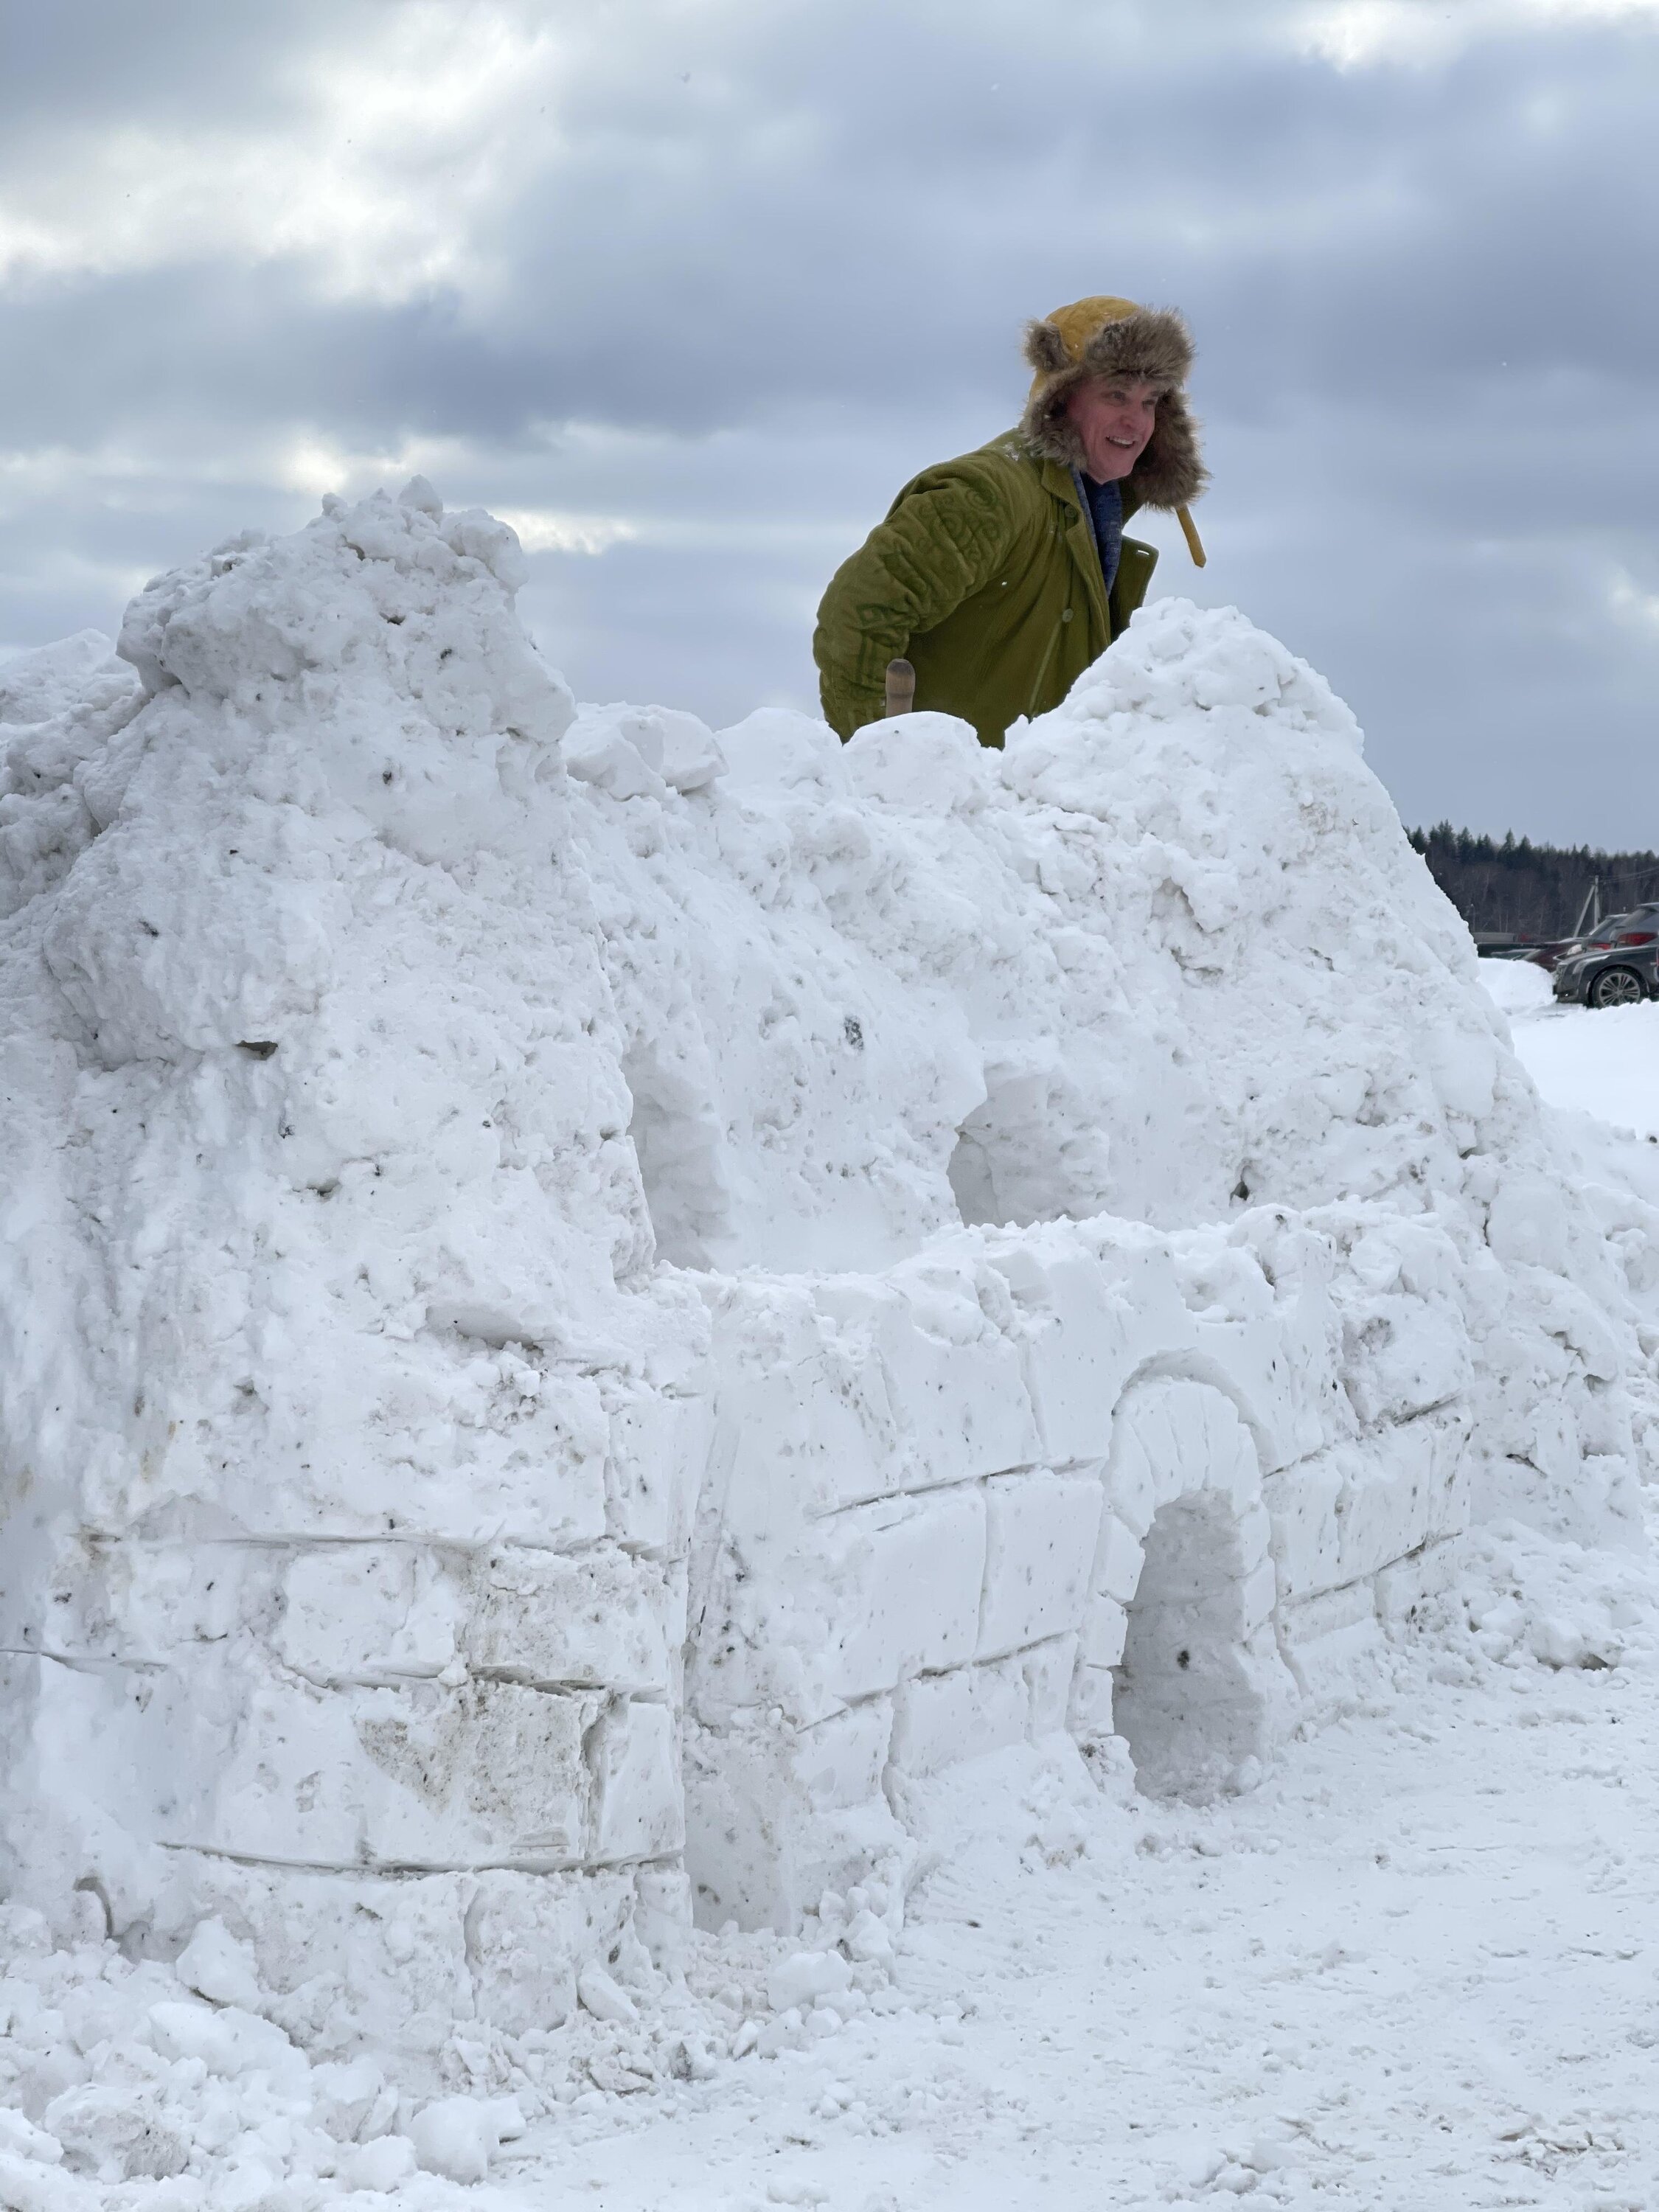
1531 891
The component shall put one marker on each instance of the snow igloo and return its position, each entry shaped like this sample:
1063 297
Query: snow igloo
587 1302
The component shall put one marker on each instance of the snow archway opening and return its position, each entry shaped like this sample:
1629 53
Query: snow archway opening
1030 1151
1184 1699
676 1143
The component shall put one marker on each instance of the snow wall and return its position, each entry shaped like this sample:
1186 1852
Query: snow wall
586 1305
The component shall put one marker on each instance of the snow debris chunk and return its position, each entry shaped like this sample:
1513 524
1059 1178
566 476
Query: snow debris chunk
19 2136
456 2137
230 2042
1521 1598
352 2099
921 763
803 1980
604 1998
419 493
216 1966
383 2164
128 2133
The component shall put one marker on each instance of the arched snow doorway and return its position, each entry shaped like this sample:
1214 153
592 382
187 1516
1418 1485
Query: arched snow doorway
1032 1149
1183 1696
1178 1654
676 1143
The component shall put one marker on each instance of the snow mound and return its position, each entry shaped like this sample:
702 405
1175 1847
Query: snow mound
1516 987
581 1289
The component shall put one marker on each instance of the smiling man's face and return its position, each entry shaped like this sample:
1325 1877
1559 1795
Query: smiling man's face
1115 417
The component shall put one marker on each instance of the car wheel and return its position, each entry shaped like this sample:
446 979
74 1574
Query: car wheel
1617 987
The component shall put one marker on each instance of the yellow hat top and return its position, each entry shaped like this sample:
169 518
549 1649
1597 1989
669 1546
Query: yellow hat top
1077 324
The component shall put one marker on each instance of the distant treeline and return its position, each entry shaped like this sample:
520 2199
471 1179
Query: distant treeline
1528 890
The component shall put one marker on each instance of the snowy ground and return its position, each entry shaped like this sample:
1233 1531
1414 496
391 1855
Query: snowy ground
1599 1071
1602 1064
1415 1969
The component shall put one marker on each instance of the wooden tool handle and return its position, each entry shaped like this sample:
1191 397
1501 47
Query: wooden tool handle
901 687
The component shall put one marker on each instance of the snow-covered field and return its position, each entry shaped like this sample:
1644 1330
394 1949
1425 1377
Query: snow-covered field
594 1311
1602 1067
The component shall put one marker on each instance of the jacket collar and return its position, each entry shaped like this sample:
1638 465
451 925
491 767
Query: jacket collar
1079 529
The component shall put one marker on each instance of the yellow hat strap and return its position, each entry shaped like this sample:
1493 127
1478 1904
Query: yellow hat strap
1190 531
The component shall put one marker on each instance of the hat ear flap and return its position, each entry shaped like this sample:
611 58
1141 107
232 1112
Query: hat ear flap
1171 471
1045 349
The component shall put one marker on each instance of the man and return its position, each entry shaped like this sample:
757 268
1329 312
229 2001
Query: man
1001 575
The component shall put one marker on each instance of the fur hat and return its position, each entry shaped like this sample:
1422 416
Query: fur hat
1106 337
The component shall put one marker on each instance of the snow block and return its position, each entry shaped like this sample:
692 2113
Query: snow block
863 1597
1116 1574
1048 1670
839 1762
764 1836
1041 1530
1089 1321
1327 1638
1279 1369
954 1382
659 1449
224 1754
605 1621
496 1451
1105 1625
916 1569
639 1805
1405 1588
489 1771
805 1425
528 1936
1258 1593
940 1719
367 1613
1403 1355
363 1613
349 1957
1409 1484
1089 1711
1307 1536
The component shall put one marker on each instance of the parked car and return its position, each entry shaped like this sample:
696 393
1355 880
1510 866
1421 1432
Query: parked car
1616 965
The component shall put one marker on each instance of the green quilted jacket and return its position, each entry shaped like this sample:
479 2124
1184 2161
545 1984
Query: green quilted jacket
984 576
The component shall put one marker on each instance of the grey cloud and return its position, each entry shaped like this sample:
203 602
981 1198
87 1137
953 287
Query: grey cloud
87 61
775 260
813 229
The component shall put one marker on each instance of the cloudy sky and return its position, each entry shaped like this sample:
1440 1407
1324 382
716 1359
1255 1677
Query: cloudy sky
687 288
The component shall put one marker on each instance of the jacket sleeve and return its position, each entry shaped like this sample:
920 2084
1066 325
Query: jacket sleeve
947 536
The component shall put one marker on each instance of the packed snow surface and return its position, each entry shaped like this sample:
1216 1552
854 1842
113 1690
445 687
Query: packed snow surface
1602 1067
569 1277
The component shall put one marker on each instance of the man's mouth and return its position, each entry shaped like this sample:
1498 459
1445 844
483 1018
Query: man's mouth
1125 442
